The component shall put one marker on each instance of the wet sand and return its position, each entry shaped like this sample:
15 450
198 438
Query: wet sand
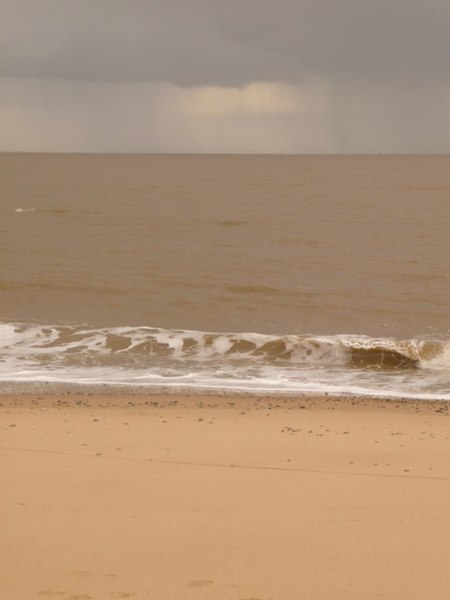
223 497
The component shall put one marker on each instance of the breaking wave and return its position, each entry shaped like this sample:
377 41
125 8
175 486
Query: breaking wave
254 361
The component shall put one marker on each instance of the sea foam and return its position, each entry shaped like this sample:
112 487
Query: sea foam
152 356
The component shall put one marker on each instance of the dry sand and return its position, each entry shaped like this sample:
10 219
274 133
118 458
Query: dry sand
234 498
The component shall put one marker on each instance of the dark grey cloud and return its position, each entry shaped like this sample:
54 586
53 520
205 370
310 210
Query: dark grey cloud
225 42
225 75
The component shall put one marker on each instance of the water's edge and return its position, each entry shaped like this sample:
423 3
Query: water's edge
154 396
183 361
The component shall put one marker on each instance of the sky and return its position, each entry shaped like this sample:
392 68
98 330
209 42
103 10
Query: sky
225 76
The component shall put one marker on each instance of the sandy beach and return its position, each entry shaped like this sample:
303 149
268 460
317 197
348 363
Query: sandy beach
223 497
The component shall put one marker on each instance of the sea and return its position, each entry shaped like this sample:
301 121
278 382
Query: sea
243 273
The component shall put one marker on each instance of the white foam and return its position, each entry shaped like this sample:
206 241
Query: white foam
272 384
440 362
156 357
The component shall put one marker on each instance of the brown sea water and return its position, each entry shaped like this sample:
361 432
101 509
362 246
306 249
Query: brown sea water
300 246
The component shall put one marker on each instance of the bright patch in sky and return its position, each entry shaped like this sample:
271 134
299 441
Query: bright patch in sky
254 98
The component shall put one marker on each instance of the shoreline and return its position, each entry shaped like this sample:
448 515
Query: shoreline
195 400
48 388
227 497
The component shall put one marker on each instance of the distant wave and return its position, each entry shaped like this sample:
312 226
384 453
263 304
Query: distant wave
47 210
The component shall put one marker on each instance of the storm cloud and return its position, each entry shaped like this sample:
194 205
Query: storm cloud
215 76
